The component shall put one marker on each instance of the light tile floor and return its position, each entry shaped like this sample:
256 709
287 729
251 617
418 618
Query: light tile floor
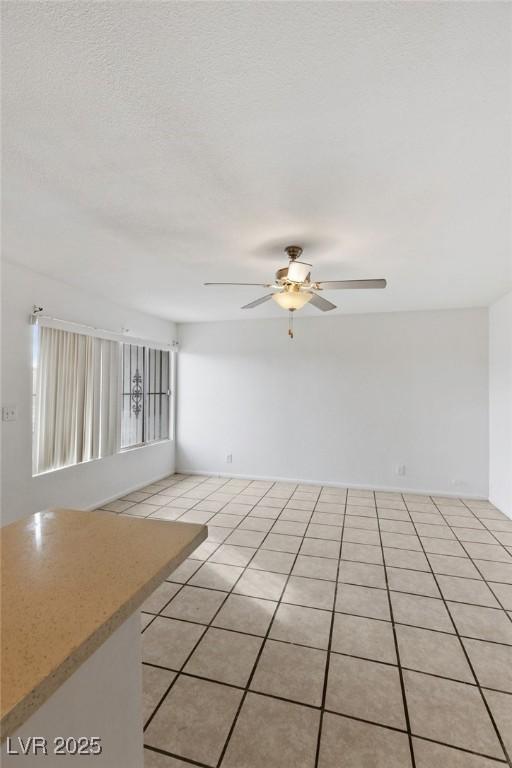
327 628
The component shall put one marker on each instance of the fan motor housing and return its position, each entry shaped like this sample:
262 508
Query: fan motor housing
293 251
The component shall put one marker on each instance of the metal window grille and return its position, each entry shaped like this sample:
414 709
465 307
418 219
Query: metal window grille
145 395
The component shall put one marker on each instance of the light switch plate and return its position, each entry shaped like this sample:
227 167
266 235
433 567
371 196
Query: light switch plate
9 413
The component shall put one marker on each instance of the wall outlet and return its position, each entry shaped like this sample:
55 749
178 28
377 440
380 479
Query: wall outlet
9 413
400 469
229 458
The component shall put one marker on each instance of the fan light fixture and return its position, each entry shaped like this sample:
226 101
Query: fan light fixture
292 299
292 287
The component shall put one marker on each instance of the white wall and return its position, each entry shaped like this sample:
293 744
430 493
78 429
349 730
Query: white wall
84 485
500 404
346 401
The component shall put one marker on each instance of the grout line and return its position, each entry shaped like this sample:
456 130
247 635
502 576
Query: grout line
331 581
186 760
453 747
329 650
486 705
277 519
397 651
255 664
194 647
496 760
324 610
344 525
202 635
480 572
316 648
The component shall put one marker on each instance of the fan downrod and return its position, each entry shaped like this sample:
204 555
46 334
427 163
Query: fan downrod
293 251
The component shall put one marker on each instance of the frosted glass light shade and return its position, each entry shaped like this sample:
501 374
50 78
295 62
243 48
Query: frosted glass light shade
292 299
298 271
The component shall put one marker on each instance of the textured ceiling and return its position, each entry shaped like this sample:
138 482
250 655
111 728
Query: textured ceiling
149 147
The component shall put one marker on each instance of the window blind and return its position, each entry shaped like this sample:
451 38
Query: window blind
77 394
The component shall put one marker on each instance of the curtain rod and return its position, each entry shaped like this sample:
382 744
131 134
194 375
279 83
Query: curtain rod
37 314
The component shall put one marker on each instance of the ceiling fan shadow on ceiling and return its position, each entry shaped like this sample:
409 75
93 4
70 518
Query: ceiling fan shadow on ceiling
293 288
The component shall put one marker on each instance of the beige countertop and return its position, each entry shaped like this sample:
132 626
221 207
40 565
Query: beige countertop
69 579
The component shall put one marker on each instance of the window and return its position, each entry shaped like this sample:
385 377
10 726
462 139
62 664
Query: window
145 395
94 397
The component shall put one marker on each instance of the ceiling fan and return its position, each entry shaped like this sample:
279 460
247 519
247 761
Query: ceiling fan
293 287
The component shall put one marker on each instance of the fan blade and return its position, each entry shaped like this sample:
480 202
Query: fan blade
320 303
330 284
261 285
258 301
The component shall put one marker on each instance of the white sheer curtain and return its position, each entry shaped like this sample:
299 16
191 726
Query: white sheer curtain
77 398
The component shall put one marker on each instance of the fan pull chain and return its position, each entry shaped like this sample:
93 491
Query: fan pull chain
290 324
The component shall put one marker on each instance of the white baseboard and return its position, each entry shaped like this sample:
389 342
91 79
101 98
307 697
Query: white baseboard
131 489
333 484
